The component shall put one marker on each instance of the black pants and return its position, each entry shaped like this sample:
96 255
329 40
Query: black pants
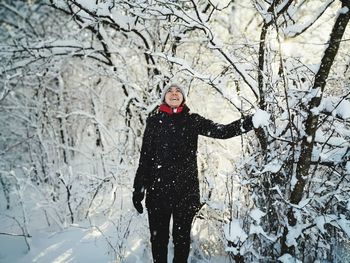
159 220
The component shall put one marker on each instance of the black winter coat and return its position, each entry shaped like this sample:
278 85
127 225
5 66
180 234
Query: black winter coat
168 161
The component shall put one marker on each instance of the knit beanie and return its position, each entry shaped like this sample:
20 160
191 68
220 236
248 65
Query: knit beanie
169 86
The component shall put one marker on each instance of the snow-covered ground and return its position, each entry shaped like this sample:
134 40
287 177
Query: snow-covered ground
83 242
116 237
74 244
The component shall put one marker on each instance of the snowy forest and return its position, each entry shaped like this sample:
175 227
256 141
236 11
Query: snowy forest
79 79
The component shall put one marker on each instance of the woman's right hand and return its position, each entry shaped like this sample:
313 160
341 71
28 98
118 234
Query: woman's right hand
137 198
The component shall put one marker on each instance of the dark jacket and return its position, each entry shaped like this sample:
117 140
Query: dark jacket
168 161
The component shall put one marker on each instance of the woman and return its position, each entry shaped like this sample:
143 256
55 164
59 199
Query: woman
168 171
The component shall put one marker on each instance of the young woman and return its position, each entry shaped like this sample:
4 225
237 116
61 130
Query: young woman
168 171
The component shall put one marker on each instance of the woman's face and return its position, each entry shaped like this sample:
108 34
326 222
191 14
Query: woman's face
174 97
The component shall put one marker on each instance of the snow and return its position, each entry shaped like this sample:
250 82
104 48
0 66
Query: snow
295 29
344 223
81 242
126 22
274 166
343 109
73 244
336 106
344 10
12 249
261 118
294 233
287 258
234 232
337 221
60 3
304 202
320 222
88 4
257 214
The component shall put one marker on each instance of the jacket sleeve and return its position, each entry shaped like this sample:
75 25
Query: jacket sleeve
144 162
211 129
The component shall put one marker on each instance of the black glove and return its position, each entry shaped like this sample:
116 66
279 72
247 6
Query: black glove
137 198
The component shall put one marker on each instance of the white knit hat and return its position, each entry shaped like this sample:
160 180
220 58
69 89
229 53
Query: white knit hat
169 86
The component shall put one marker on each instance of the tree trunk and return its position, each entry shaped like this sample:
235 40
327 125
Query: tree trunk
304 163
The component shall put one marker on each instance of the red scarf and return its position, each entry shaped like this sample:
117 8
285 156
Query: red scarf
165 108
